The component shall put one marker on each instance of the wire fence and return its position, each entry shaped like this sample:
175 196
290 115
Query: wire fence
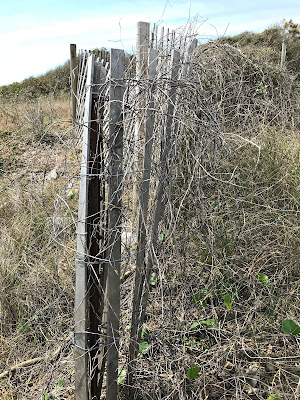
208 278
124 183
151 148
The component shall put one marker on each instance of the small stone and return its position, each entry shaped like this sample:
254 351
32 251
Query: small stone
52 175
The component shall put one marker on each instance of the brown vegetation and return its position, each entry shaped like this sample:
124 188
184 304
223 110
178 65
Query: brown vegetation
227 272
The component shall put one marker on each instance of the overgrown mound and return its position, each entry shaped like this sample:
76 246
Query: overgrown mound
240 94
223 320
267 45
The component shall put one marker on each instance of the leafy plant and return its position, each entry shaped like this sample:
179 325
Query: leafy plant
210 323
121 375
193 371
274 397
199 298
46 396
73 194
289 327
228 301
194 326
263 279
161 238
229 293
153 279
143 347
60 383
193 343
261 89
145 331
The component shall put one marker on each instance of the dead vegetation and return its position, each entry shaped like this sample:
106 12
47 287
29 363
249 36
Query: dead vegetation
36 272
228 265
227 272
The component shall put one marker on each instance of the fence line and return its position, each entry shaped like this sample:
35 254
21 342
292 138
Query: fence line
120 116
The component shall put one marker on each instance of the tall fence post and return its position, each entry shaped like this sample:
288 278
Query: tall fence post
143 213
142 50
159 208
165 147
74 79
90 283
95 229
81 301
116 94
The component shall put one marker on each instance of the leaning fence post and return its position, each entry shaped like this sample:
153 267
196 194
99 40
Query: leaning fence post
166 146
74 78
115 144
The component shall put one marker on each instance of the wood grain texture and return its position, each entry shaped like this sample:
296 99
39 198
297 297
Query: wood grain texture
116 94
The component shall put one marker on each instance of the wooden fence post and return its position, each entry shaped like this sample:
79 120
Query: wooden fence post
143 212
90 274
283 53
74 79
142 49
95 230
116 94
159 208
165 147
81 303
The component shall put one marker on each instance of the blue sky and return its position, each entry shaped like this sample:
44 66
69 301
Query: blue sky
35 34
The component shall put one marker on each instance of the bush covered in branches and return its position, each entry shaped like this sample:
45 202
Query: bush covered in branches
267 44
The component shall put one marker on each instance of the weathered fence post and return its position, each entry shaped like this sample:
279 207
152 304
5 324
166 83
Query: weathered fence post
283 53
116 94
161 200
165 147
90 283
74 79
142 50
95 229
81 301
143 211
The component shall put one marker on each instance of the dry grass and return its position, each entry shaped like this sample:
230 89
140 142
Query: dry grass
37 236
208 271
233 214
